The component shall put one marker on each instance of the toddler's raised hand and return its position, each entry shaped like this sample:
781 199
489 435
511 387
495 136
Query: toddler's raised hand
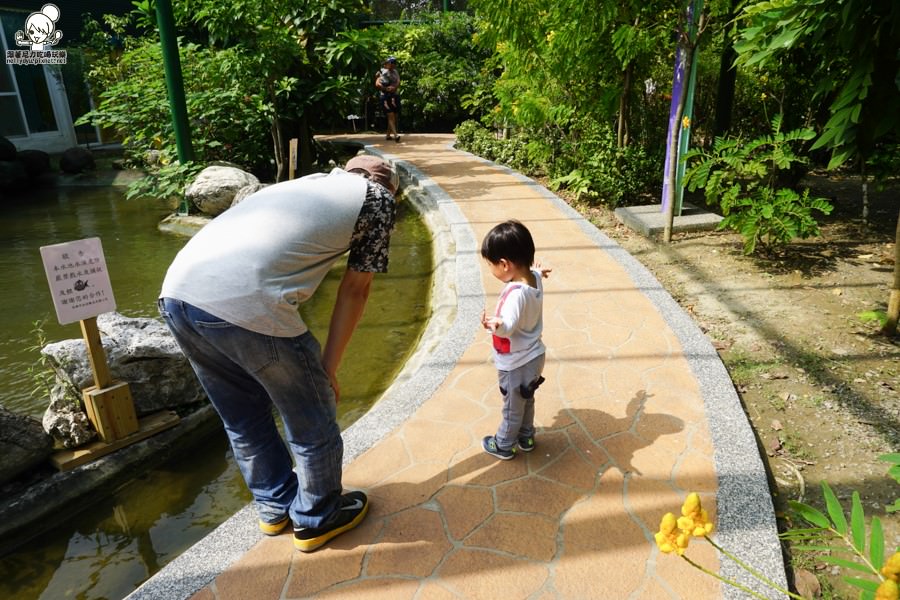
544 271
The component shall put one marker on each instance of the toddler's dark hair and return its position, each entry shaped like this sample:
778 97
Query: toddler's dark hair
510 240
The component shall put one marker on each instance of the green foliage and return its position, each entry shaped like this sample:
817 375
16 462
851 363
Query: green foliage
740 176
439 65
878 316
254 75
229 115
40 371
167 182
571 53
475 138
586 162
591 165
894 471
849 49
859 548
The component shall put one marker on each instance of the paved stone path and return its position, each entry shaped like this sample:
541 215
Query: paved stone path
629 421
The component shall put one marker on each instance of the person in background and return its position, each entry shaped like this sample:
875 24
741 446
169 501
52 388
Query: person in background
516 327
387 80
231 299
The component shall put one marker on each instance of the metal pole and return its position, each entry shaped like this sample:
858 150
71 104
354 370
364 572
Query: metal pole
174 84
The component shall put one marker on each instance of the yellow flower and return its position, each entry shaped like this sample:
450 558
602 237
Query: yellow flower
888 590
669 538
686 122
694 520
891 568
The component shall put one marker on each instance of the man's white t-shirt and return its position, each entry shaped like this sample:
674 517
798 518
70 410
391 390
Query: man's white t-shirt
254 264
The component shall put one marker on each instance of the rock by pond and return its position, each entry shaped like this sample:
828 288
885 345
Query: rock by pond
24 444
140 351
214 189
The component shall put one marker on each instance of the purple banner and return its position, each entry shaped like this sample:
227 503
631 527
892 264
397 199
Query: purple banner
678 82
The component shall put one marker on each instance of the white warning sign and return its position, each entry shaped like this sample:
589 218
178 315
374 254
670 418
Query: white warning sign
79 281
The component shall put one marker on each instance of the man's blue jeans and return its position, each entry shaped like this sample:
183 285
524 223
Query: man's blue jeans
244 375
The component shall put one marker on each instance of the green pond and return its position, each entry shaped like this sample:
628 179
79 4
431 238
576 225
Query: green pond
108 549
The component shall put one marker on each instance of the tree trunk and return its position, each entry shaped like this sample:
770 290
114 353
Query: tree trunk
305 146
893 312
622 133
278 149
865 190
727 81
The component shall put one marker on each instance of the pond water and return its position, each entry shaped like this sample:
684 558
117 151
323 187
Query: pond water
110 548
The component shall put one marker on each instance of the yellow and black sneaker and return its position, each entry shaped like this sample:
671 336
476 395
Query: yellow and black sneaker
354 507
274 528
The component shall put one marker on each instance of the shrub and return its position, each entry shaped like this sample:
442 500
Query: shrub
223 97
584 160
741 177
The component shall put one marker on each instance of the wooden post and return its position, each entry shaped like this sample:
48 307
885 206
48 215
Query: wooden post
96 355
292 158
109 405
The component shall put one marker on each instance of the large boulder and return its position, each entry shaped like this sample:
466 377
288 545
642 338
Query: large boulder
139 351
22 445
215 187
76 160
13 175
7 149
36 162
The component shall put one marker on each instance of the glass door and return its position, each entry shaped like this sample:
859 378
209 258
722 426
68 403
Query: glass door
27 87
13 123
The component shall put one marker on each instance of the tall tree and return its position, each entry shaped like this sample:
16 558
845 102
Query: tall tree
307 53
568 56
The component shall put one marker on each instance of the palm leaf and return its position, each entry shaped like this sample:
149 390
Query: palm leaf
858 524
835 511
891 458
863 584
846 564
876 542
810 514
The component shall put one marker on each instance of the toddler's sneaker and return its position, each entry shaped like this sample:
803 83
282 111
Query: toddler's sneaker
354 507
273 528
490 446
526 444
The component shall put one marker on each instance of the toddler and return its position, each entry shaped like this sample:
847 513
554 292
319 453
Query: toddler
516 331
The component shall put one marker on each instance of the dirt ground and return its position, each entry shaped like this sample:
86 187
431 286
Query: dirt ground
820 386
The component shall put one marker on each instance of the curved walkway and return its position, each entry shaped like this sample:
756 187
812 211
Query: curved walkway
637 411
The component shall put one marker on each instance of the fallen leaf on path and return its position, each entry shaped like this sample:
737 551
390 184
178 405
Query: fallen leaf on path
776 425
807 584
